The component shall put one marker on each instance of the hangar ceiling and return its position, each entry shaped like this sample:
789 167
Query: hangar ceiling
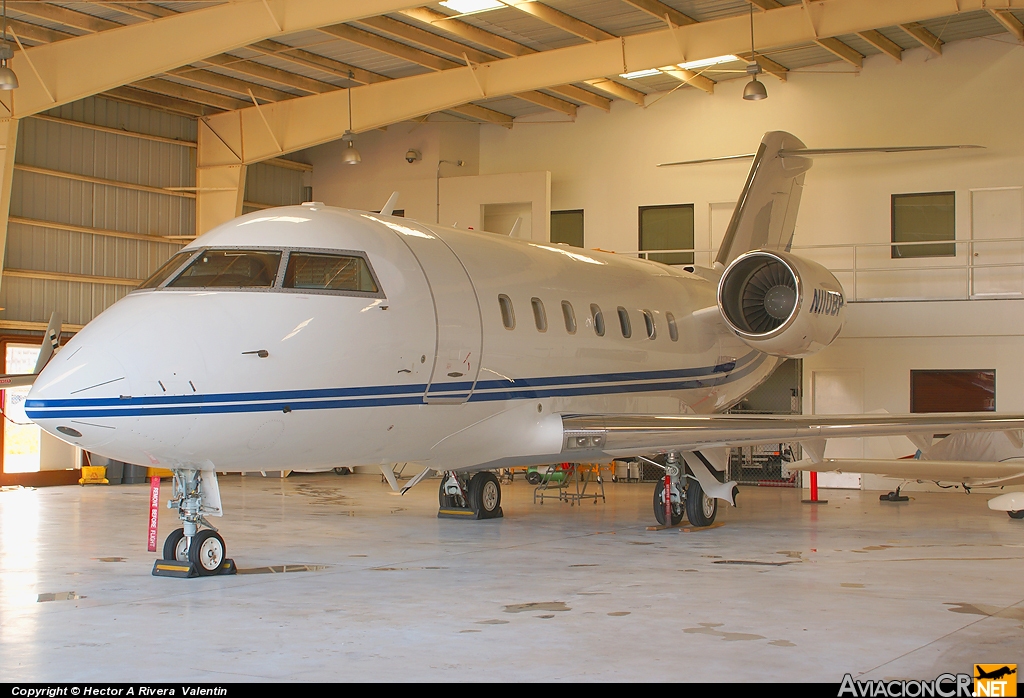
206 58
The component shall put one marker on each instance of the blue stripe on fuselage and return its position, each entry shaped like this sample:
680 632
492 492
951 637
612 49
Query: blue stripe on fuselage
380 396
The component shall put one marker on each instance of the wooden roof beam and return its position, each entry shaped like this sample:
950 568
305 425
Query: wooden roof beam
1009 22
658 9
768 65
924 37
567 23
308 59
62 15
192 94
882 43
617 89
690 78
133 95
467 31
765 4
842 50
475 111
548 102
226 82
266 72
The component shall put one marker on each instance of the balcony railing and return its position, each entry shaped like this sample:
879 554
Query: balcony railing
868 271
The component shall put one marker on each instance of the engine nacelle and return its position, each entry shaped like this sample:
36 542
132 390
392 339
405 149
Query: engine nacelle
781 304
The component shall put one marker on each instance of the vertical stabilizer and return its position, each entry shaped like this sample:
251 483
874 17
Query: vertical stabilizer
765 214
51 340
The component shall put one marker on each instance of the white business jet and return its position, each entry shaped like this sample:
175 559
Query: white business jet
311 337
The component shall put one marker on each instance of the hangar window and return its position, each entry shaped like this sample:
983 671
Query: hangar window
673 331
598 316
567 227
918 218
569 315
627 331
652 331
230 269
508 315
540 317
169 267
667 228
953 391
328 272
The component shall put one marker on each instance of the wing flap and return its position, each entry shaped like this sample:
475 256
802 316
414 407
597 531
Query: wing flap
623 435
914 469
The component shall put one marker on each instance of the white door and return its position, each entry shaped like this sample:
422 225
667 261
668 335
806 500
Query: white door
839 391
996 229
459 328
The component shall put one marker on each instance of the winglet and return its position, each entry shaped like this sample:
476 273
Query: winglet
389 207
51 340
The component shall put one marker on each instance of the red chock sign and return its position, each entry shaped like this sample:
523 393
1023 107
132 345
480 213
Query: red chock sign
154 510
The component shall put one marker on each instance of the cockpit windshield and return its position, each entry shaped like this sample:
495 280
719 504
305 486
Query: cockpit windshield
170 266
230 269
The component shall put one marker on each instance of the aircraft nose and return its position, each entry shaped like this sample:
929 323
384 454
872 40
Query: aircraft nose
75 390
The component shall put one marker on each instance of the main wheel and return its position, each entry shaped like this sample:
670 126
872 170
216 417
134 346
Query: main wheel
700 508
484 495
207 552
659 505
1016 514
341 471
176 546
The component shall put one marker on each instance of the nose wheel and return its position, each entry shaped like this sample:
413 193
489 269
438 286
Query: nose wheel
189 551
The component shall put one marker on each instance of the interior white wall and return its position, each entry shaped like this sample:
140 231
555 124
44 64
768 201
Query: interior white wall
605 164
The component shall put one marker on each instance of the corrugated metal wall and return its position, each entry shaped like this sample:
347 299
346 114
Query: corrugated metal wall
46 198
41 203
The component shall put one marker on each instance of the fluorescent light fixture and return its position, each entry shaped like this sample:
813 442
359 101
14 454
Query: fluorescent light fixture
640 74
465 7
707 62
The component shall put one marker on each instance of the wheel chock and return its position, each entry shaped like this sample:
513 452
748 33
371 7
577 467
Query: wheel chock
186 570
462 513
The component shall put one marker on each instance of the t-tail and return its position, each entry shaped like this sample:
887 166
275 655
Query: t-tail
51 341
765 215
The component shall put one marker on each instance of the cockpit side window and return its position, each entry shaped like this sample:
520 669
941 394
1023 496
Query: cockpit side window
328 272
230 269
169 267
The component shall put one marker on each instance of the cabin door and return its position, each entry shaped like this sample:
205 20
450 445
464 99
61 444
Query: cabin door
457 312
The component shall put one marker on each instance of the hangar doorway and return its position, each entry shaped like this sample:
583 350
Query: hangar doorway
765 465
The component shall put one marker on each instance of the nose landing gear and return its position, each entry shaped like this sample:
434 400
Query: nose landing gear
188 551
461 497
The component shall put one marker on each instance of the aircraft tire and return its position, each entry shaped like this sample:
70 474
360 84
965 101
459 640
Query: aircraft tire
207 552
701 510
174 546
1016 514
485 495
533 477
659 506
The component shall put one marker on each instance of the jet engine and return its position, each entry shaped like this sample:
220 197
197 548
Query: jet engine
781 304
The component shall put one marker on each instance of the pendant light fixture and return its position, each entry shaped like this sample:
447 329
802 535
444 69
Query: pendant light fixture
754 90
349 156
8 80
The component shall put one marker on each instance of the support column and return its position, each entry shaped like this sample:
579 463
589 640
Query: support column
219 194
9 143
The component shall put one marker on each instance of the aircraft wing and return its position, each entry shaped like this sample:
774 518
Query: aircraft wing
996 472
16 380
625 435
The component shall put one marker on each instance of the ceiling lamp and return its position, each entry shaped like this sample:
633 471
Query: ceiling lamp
754 90
350 156
8 80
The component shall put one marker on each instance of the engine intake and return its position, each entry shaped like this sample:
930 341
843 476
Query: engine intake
781 304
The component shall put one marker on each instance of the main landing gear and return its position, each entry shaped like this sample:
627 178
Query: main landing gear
462 496
689 499
189 551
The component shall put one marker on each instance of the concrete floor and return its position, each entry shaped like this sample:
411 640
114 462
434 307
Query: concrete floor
781 591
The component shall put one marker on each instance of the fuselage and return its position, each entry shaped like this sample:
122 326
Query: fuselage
459 350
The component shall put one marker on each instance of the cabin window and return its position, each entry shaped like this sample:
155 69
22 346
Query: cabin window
508 315
169 267
673 331
540 318
595 312
627 331
652 331
230 269
569 316
328 272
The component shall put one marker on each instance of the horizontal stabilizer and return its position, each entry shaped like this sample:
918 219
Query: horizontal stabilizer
811 152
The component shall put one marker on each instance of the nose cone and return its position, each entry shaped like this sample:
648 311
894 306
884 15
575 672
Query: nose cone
125 386
73 394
